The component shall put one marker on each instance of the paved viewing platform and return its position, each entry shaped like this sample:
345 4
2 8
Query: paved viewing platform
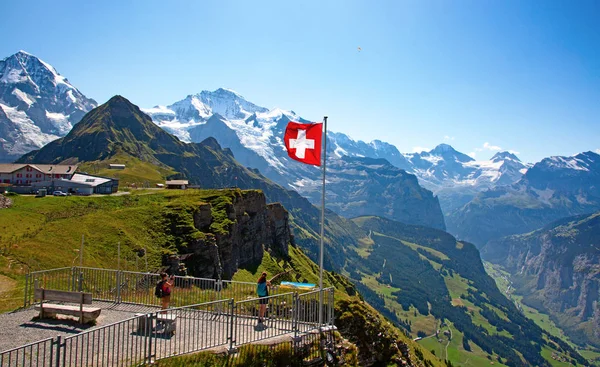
130 331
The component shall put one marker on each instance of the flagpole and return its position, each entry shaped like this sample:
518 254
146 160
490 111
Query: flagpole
322 224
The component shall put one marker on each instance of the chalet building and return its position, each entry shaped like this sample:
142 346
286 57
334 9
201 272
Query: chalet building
29 178
177 184
26 174
80 184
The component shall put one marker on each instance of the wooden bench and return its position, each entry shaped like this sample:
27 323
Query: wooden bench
85 314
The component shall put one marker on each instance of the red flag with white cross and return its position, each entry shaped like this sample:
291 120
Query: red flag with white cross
303 142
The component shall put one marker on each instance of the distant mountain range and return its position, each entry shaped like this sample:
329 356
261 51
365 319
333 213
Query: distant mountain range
554 188
254 135
37 105
357 184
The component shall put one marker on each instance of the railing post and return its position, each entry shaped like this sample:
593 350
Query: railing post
26 296
119 277
58 348
332 307
80 282
295 313
219 284
149 321
73 272
231 325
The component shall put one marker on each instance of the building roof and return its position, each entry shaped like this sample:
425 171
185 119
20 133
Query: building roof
61 182
60 169
89 179
177 182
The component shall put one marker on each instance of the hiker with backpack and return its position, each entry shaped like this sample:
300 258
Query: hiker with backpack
163 289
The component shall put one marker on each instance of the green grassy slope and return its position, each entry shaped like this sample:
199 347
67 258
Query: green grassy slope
136 172
43 233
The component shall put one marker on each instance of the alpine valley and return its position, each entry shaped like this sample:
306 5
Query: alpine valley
385 228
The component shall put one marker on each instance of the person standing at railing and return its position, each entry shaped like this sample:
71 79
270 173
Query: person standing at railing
164 288
262 290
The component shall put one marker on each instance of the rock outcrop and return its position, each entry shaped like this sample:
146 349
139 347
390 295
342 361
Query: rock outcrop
239 241
5 202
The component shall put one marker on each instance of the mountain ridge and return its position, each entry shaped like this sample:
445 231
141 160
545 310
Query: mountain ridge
554 188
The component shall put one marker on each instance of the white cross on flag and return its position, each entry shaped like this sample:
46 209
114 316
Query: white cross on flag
303 142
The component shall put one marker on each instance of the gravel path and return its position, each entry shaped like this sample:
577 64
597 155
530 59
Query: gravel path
20 328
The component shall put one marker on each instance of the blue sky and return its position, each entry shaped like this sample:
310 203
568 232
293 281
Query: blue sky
479 75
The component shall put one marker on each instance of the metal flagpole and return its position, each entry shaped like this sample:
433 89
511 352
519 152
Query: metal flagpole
322 224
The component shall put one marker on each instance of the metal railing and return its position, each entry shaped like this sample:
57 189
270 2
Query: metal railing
278 319
148 337
307 309
137 288
40 353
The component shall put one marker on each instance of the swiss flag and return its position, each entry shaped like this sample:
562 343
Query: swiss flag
303 142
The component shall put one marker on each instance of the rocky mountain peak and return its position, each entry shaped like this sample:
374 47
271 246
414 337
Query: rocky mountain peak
225 102
502 156
446 150
442 148
38 103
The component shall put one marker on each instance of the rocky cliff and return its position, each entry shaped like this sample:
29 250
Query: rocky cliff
557 268
233 234
358 186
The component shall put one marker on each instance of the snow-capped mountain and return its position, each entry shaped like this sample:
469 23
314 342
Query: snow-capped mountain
343 145
254 134
257 131
180 117
37 105
444 167
457 178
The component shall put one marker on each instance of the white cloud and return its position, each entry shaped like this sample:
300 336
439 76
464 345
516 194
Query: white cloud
472 154
420 149
513 152
598 150
448 137
491 147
